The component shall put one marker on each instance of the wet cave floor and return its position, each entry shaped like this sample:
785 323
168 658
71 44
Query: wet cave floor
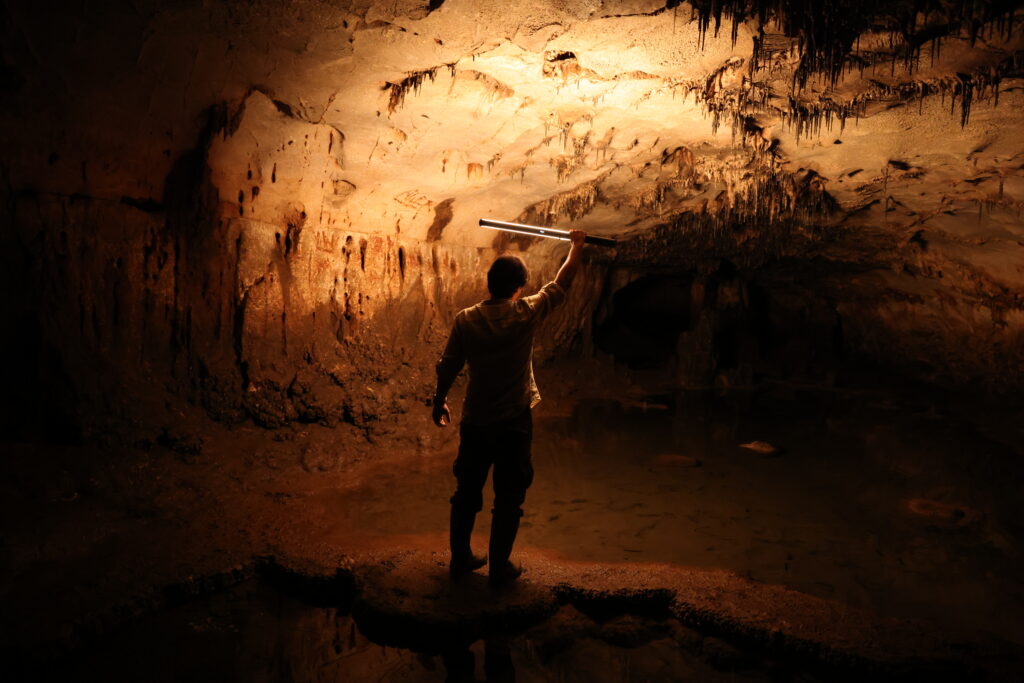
881 530
877 503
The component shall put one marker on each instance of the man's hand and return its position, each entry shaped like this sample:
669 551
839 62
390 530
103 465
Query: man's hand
442 416
567 273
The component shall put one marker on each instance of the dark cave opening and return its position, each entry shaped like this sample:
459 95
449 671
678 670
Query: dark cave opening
644 321
758 328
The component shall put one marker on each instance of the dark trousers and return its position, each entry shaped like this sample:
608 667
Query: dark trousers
505 446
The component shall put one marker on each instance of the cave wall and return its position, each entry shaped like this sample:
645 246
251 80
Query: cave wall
173 231
244 291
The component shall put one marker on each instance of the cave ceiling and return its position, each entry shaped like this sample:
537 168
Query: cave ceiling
620 117
890 123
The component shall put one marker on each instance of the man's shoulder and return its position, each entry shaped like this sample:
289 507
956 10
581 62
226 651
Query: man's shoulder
469 310
467 313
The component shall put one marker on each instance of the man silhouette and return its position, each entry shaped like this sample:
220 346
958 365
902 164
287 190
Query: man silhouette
495 337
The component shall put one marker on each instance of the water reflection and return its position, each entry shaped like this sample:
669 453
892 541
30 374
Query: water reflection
460 662
253 633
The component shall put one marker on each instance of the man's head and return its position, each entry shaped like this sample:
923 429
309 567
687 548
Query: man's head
507 274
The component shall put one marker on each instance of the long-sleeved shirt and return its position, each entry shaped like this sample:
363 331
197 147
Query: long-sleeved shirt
496 339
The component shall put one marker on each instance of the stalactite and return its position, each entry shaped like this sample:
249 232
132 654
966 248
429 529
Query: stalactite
565 165
412 82
808 117
572 204
827 33
761 213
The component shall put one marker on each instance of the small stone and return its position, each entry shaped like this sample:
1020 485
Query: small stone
316 458
947 514
762 448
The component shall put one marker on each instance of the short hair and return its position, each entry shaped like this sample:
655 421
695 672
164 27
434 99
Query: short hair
507 274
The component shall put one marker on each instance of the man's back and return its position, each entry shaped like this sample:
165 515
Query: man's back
496 339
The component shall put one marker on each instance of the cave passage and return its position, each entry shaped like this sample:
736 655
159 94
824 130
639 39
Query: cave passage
782 428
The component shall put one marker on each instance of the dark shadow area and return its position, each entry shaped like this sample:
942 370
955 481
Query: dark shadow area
727 328
644 321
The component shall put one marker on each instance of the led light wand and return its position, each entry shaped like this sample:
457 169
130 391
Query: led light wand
534 231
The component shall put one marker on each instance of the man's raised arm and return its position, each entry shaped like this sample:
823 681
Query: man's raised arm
567 273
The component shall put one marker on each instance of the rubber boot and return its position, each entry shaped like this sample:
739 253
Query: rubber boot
504 527
460 532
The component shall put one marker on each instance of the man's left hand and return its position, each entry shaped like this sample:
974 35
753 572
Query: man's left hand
442 416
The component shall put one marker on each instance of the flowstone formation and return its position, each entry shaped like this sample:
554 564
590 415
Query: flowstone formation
272 209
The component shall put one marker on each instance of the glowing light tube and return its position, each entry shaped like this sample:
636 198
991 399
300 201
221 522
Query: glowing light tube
534 231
